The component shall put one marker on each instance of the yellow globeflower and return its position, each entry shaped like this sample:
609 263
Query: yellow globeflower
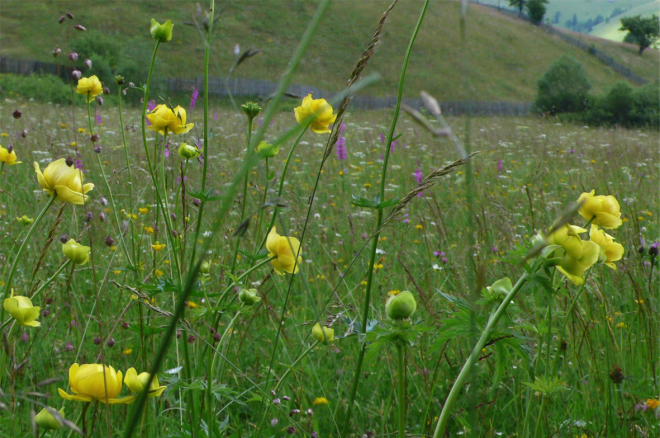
22 310
161 32
174 120
138 382
285 250
323 334
7 156
89 382
58 177
613 251
320 110
90 87
568 237
158 246
573 268
76 252
604 209
400 305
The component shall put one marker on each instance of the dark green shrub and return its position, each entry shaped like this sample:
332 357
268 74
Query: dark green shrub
619 103
41 87
563 88
626 106
536 10
646 110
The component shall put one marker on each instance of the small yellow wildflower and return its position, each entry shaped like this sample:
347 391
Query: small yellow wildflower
419 227
320 401
149 230
158 246
127 351
143 210
653 403
158 273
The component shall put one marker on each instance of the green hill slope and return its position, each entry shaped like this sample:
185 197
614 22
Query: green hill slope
505 55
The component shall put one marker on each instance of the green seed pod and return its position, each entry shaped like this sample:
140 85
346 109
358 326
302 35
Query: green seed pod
249 297
251 109
205 267
187 151
401 305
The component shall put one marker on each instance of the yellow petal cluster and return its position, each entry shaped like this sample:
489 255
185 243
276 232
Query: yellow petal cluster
320 110
284 249
138 382
90 87
22 310
89 382
64 180
323 334
8 157
604 210
612 250
578 255
76 252
164 118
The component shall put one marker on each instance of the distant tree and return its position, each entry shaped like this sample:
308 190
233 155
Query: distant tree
644 31
520 4
563 88
575 21
557 17
536 10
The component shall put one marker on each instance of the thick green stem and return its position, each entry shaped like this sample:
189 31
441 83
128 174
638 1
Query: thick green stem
474 356
379 221
401 353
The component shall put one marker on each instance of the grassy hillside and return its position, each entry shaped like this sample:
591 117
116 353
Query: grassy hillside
611 30
505 56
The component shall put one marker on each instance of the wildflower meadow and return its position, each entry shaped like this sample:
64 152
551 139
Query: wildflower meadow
290 266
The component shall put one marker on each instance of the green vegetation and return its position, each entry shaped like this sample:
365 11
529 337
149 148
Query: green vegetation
505 56
643 32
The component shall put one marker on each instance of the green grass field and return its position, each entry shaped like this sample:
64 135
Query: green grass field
536 356
506 56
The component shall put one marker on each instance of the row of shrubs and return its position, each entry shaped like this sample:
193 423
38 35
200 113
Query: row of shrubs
40 87
564 91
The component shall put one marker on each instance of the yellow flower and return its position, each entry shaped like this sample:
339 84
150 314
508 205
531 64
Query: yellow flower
604 209
419 227
127 352
192 305
8 157
22 310
323 334
613 251
149 230
622 325
143 210
578 255
138 382
285 250
46 420
158 273
89 382
81 130
164 118
161 32
320 401
64 180
320 110
158 246
91 87
76 252
652 403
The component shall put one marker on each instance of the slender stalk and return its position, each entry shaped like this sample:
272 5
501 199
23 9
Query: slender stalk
128 168
379 221
245 186
447 409
401 353
12 271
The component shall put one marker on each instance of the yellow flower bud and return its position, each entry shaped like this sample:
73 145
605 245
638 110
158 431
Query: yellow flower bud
205 267
284 249
266 150
161 32
22 310
249 297
25 220
138 382
75 252
187 151
323 334
165 118
401 305
46 420
8 157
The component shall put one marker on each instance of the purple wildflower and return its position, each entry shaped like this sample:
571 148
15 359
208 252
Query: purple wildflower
151 105
341 148
79 164
98 118
341 128
193 99
382 137
499 166
392 146
418 177
215 117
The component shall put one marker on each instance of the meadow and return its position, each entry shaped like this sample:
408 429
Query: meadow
410 290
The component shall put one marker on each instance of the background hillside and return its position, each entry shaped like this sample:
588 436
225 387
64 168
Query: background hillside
505 55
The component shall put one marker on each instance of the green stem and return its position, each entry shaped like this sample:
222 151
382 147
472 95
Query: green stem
447 409
245 186
538 420
402 388
12 271
128 168
379 221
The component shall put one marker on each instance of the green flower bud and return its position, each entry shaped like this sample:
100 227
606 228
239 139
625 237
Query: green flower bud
188 152
266 150
501 287
119 80
323 334
75 252
251 109
25 220
205 267
46 420
161 32
249 297
401 305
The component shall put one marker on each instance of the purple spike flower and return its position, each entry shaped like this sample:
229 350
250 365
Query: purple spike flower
499 166
98 118
341 148
193 99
